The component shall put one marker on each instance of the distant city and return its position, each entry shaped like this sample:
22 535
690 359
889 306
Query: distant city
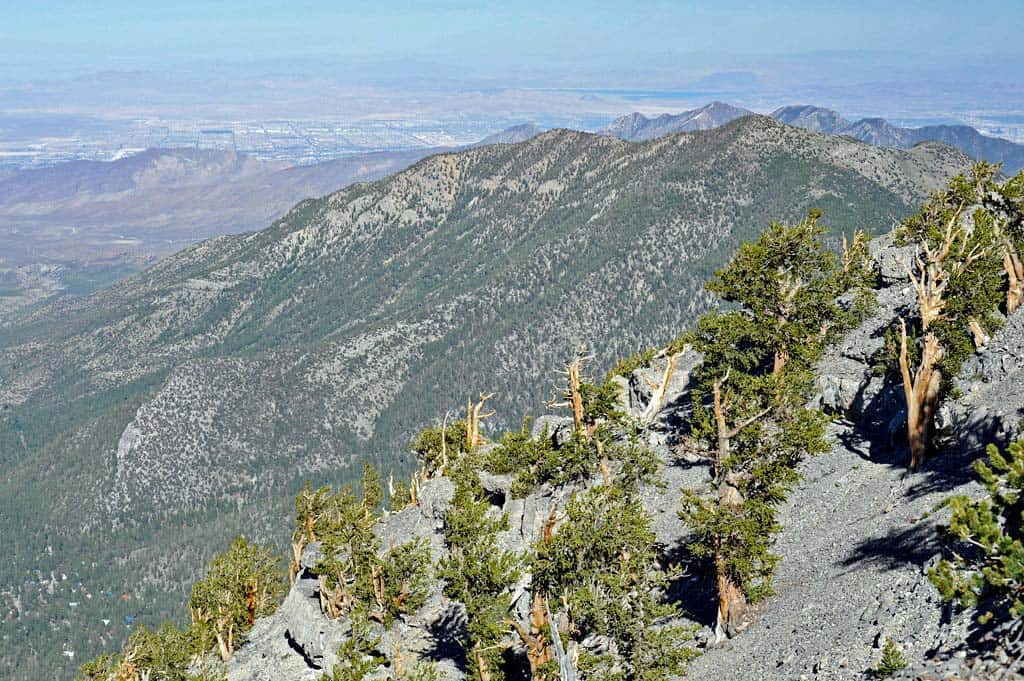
287 142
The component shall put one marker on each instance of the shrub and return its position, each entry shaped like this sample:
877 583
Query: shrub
892 660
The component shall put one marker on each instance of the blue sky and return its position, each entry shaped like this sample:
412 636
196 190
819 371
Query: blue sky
491 39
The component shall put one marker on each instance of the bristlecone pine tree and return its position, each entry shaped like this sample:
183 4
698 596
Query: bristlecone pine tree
986 571
241 584
749 420
968 266
477 572
600 567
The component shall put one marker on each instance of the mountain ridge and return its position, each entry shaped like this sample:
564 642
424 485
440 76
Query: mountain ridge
873 130
636 127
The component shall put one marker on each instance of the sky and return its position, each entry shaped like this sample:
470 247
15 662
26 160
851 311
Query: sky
550 41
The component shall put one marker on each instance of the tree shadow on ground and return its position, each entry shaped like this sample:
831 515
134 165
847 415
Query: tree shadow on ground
447 634
878 435
694 592
875 434
915 545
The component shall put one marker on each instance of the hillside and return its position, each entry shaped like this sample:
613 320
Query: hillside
79 226
144 424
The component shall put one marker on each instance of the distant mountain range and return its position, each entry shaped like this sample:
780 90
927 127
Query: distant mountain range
876 131
513 135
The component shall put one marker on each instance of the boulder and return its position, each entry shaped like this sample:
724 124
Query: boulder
990 404
644 380
893 261
558 428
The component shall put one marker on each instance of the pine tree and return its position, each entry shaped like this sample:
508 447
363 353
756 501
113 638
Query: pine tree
749 421
241 584
477 573
969 239
986 571
602 563
892 660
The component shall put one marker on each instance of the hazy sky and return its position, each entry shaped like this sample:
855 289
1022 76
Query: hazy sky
495 40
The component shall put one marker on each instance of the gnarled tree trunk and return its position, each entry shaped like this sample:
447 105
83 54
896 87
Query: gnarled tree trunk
922 394
733 607
1014 266
732 601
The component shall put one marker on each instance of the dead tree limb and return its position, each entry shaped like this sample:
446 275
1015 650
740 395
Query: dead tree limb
573 392
658 396
474 415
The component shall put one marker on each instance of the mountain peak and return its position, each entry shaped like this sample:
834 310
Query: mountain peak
636 127
513 135
811 117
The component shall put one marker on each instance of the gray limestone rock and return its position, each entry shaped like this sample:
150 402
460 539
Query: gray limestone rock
859 533
893 261
558 428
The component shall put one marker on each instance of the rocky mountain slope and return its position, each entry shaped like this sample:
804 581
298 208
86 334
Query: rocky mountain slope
82 225
859 532
190 401
166 195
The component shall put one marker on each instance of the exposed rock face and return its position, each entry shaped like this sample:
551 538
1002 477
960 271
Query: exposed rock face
991 406
297 641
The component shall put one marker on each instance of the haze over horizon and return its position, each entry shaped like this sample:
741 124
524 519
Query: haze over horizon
650 43
94 79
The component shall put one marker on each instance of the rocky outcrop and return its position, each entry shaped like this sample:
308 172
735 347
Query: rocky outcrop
990 408
300 642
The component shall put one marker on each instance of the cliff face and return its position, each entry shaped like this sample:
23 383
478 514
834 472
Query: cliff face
858 534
